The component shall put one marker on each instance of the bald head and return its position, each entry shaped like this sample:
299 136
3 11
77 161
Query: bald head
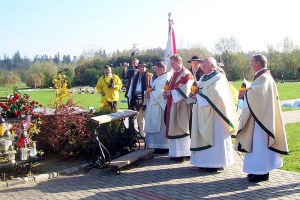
209 65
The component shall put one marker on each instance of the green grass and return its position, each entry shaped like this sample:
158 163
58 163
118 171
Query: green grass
284 109
292 161
287 90
44 96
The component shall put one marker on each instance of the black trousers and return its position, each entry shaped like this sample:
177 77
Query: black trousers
112 105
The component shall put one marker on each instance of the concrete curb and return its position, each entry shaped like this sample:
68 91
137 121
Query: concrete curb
40 177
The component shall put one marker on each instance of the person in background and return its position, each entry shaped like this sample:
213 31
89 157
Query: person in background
139 83
196 67
108 86
177 111
261 133
213 120
127 74
154 120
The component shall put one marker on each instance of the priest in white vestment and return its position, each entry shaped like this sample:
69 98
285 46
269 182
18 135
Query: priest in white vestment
155 128
261 132
177 113
214 120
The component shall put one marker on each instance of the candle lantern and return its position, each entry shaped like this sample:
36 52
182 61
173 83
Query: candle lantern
8 140
32 153
24 152
194 88
149 88
11 154
2 122
167 87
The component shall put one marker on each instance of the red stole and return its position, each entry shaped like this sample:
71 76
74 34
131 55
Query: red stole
174 85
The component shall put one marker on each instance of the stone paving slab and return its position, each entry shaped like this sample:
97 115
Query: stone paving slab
160 178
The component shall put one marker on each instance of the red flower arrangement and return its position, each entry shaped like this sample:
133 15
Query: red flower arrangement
17 105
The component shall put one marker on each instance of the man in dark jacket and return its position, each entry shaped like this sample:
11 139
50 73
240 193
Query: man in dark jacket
128 74
139 83
196 67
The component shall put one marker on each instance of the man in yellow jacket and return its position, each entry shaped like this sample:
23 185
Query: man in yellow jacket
108 86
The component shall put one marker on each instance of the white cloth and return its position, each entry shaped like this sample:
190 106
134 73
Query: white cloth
154 120
155 104
176 96
180 147
201 101
157 140
221 154
261 160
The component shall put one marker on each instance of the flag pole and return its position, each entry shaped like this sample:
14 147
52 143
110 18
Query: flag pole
169 20
171 44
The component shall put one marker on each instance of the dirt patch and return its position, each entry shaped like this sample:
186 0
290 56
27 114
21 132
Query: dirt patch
54 163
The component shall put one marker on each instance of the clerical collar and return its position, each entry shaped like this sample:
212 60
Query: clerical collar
206 77
260 70
179 70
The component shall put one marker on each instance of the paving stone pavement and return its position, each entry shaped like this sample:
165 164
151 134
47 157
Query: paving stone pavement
156 178
160 178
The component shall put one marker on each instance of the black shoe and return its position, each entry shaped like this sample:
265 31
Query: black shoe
173 158
250 175
214 169
179 159
187 158
161 151
211 169
259 178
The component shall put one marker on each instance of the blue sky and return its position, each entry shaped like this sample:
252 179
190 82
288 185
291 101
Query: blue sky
74 26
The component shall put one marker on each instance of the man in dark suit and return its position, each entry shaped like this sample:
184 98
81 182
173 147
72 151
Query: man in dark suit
128 74
196 67
139 84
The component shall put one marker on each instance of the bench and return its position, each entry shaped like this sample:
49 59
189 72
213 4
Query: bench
131 142
132 157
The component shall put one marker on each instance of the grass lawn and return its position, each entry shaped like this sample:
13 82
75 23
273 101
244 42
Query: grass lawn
287 90
292 161
44 96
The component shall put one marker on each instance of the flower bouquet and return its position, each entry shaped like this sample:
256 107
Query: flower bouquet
18 105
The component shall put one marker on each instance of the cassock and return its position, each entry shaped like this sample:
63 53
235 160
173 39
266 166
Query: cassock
213 121
155 128
261 132
177 113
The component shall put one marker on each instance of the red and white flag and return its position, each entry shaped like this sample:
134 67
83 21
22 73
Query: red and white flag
171 45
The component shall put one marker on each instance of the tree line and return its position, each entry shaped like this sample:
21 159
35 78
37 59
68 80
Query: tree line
283 61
